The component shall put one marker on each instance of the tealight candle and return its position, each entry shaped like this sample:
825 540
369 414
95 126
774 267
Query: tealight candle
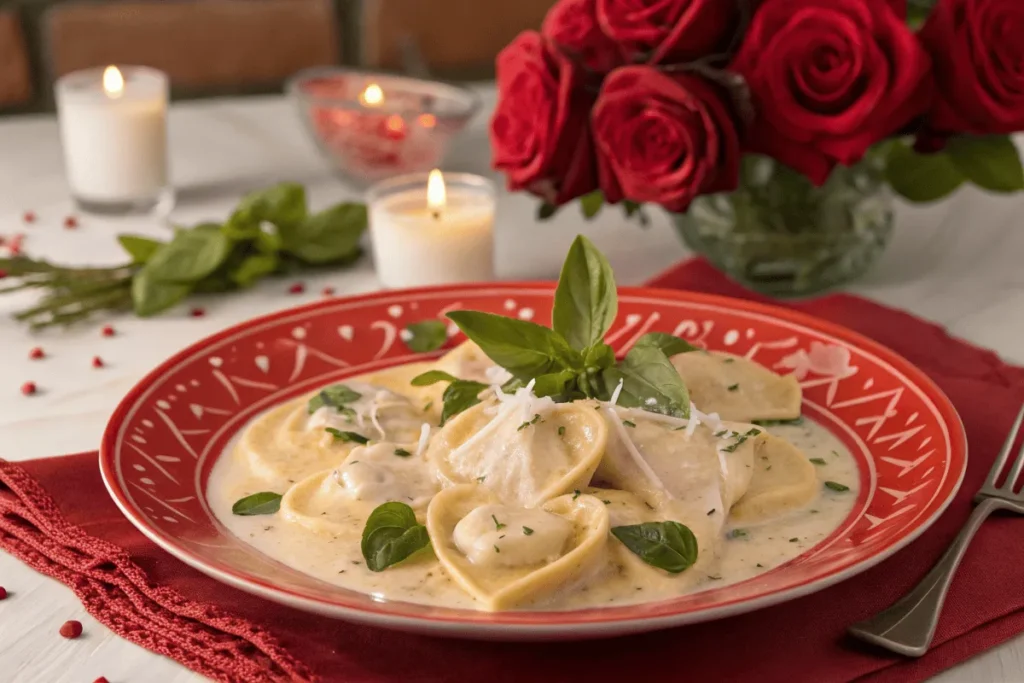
429 229
113 126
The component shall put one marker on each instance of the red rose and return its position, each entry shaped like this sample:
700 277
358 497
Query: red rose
663 138
572 26
978 50
829 78
539 132
667 31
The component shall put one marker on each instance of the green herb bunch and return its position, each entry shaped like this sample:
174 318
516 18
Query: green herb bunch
570 360
270 232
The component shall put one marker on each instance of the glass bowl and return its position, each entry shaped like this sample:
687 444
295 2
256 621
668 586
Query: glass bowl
367 134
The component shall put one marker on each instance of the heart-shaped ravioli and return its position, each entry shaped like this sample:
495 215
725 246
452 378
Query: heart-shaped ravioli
506 556
370 475
526 451
736 388
783 480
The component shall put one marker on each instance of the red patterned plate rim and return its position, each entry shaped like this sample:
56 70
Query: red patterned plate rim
869 537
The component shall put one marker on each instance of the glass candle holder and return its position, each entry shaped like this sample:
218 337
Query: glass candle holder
429 229
113 127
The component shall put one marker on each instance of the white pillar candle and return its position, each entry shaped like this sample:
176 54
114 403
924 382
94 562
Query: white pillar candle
432 229
113 126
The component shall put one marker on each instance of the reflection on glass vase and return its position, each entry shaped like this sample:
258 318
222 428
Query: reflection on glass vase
780 235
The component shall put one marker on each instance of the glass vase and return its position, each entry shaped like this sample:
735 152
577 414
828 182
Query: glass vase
780 235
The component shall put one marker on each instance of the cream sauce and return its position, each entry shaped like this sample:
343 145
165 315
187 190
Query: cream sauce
321 536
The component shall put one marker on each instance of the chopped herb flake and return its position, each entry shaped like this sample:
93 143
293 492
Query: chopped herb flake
721 433
711 512
430 404
793 540
497 525
402 453
733 387
606 502
575 494
836 486
629 423
759 565
346 437
481 479
497 549
729 360
818 461
561 431
714 578
737 533
527 531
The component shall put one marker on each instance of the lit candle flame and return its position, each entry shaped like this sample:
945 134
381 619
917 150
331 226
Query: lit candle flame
436 195
373 96
113 82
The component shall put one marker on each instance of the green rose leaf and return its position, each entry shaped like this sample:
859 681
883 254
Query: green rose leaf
988 161
649 381
432 377
151 296
262 503
921 177
666 545
334 396
591 204
586 301
525 349
669 344
391 535
329 236
190 256
426 335
141 249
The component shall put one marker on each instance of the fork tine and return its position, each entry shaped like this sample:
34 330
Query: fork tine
1004 453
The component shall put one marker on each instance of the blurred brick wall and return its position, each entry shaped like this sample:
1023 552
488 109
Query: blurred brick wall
217 47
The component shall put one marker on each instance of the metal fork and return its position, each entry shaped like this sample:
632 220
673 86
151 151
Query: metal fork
909 625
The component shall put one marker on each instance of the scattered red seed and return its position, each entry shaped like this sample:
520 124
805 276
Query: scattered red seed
3 274
14 247
70 222
3 593
108 331
97 362
28 388
101 679
29 217
328 291
197 312
36 353
71 629
297 288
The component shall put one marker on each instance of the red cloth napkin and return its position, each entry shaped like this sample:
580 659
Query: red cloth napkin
218 630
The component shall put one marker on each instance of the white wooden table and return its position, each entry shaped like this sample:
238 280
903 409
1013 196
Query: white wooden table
957 262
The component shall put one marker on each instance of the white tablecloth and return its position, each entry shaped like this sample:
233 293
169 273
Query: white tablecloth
956 262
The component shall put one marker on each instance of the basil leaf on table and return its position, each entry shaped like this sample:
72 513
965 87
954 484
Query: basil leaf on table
432 377
252 268
391 535
586 301
426 335
190 256
141 249
151 296
329 236
666 545
284 205
523 348
649 381
334 396
669 344
262 503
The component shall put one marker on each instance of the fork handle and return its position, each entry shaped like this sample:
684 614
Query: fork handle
909 625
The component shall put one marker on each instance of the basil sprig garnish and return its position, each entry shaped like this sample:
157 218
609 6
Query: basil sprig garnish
460 394
262 503
666 545
334 396
426 335
571 361
391 535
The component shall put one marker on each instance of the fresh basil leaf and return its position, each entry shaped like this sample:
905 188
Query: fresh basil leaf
666 545
334 396
347 437
432 377
151 296
669 344
262 503
523 348
649 381
591 204
599 356
326 237
427 335
391 535
141 249
252 268
284 205
554 384
460 395
988 161
921 177
190 256
586 301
